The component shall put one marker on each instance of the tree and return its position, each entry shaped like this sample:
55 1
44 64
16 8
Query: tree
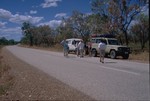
26 29
80 24
42 35
141 30
65 30
3 41
120 13
97 24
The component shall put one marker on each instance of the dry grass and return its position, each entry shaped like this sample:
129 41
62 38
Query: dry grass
5 77
141 56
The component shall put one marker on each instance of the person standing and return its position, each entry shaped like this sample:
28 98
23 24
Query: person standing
65 47
77 48
102 47
89 48
81 48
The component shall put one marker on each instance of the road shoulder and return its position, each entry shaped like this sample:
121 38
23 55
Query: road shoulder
33 84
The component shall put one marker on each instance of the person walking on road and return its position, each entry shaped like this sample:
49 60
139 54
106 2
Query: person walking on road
102 47
81 48
65 47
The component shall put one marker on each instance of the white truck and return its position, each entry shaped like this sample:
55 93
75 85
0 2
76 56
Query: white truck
72 44
113 47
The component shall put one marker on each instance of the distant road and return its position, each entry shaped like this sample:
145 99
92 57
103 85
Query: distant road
113 80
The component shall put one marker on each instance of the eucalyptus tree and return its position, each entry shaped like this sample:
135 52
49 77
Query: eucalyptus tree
120 13
43 35
97 24
65 30
141 30
80 25
26 29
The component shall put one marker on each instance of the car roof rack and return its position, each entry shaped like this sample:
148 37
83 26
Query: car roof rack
103 35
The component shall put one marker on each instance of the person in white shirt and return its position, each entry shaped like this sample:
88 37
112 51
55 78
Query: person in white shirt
81 48
102 47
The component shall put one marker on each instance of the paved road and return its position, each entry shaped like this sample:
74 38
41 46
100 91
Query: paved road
113 80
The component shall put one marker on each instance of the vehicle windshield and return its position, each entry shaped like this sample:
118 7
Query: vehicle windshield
75 41
113 42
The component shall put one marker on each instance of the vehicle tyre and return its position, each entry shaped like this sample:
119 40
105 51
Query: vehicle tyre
113 54
94 53
126 56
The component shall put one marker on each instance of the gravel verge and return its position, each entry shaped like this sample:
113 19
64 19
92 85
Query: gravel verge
30 83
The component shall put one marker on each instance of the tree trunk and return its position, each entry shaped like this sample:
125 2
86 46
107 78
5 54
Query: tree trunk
126 37
31 41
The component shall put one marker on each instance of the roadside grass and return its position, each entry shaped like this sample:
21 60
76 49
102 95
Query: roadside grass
6 80
140 56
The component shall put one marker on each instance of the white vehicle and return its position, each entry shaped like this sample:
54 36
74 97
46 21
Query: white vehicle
113 47
72 44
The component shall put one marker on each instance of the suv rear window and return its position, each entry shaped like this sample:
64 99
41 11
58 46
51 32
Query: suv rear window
113 42
98 41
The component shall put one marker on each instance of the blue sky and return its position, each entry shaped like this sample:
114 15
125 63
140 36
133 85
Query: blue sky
39 12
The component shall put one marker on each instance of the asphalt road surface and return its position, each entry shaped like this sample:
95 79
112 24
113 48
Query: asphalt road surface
114 80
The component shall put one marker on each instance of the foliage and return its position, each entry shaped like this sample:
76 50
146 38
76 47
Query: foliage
26 29
140 31
120 13
109 16
64 31
4 41
79 23
98 24
41 35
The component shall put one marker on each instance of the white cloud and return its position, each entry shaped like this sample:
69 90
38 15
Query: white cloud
52 23
60 15
11 33
10 30
33 12
50 3
5 14
2 24
21 18
17 18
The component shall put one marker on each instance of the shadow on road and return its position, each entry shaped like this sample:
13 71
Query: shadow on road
110 62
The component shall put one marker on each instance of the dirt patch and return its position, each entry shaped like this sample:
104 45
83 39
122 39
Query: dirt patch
32 84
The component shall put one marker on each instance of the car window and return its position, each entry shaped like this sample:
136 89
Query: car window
104 41
98 40
113 42
73 42
93 40
77 41
69 41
